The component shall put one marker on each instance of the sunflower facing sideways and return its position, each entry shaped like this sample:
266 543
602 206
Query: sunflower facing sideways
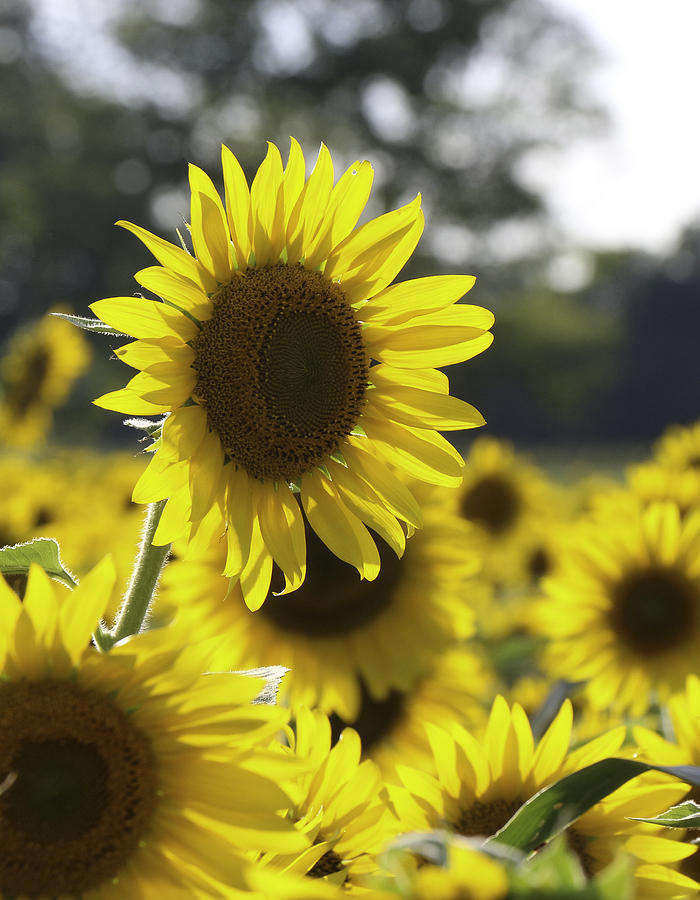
289 364
127 774
481 783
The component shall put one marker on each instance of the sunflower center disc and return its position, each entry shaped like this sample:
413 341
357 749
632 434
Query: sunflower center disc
492 503
654 611
328 864
485 818
376 719
25 384
83 789
332 600
281 370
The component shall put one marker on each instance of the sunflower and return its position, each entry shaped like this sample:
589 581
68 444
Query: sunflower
684 711
456 689
482 783
342 637
130 774
290 365
679 447
340 803
37 370
511 502
623 613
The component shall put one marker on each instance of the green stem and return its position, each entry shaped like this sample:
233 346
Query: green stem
144 578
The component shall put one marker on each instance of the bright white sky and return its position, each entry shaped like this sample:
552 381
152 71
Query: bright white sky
640 185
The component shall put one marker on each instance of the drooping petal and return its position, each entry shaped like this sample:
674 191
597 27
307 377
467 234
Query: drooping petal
282 529
339 529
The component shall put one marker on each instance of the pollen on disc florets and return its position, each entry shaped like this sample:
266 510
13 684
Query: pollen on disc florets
82 789
282 370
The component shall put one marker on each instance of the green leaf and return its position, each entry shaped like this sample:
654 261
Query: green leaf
16 560
88 323
555 807
685 815
556 874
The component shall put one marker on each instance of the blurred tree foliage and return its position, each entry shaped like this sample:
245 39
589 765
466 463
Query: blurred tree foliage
446 97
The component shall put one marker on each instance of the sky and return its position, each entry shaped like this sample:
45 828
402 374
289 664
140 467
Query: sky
637 187
640 185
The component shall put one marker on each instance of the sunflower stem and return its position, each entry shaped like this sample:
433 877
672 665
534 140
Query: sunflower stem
139 594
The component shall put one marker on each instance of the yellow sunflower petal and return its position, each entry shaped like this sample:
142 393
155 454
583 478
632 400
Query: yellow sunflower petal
339 529
210 233
553 745
161 478
399 303
294 178
240 521
257 572
83 609
365 249
424 346
143 318
183 432
177 289
380 269
348 199
174 518
353 493
282 529
424 454
310 208
383 376
267 204
383 483
173 257
238 210
206 467
148 355
425 409
130 399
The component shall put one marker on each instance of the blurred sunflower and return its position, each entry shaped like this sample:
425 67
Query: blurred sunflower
679 447
684 713
392 730
263 353
339 803
337 633
482 783
38 368
129 774
623 612
510 501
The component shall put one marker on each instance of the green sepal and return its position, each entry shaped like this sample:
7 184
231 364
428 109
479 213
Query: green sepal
337 456
323 468
684 815
88 323
358 431
151 428
16 560
555 807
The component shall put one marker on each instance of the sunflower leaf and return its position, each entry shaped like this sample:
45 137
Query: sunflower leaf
16 560
88 323
552 809
684 815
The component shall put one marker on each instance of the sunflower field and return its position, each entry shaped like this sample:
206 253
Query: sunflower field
343 659
281 616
